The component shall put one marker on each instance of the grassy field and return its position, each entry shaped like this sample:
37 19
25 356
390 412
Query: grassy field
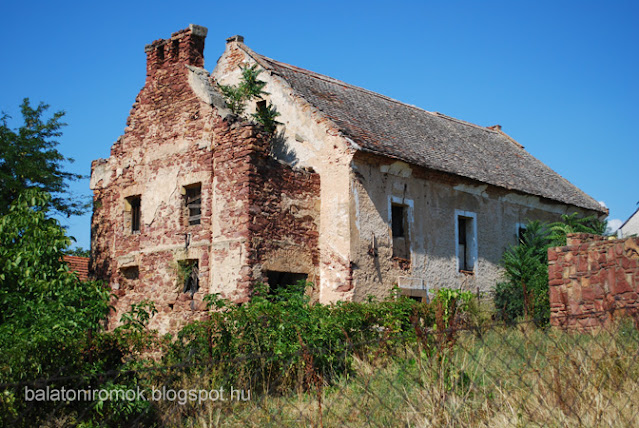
505 376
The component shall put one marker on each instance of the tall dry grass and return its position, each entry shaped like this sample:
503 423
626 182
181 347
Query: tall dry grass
501 377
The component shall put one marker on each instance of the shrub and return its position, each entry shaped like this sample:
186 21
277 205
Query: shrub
524 293
266 342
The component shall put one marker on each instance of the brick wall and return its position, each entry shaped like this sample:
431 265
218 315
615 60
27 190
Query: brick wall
257 214
266 210
592 280
166 145
79 265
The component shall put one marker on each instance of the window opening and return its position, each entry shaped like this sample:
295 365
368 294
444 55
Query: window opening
193 199
175 49
466 244
277 279
463 253
190 273
399 230
521 231
135 203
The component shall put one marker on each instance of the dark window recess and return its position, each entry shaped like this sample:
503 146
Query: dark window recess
398 220
399 230
175 49
282 279
135 203
521 230
130 272
463 254
190 275
129 277
160 53
194 204
465 229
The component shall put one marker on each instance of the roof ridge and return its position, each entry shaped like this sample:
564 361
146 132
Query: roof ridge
561 189
330 79
628 219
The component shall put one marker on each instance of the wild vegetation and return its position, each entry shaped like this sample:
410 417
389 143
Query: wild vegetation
524 293
381 363
250 88
375 363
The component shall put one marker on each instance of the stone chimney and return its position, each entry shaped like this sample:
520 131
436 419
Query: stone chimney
184 47
237 38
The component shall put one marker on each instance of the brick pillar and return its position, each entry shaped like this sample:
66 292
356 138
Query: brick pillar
185 47
239 150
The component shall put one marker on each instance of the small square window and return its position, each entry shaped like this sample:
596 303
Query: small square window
129 276
193 203
130 272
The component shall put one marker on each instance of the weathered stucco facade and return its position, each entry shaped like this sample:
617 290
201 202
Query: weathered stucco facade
356 192
630 227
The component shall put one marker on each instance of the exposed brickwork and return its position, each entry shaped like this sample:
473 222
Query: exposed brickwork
167 142
591 279
271 210
254 209
79 265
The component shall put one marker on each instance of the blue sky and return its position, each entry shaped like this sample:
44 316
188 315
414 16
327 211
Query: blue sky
560 77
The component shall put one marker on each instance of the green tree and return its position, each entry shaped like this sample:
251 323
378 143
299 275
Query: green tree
45 310
79 251
29 159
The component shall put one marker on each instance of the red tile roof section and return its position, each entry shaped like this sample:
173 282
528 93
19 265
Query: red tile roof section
79 265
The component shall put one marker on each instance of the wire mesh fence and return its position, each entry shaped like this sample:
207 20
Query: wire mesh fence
471 373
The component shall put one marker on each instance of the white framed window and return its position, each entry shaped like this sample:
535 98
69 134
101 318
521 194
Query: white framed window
466 240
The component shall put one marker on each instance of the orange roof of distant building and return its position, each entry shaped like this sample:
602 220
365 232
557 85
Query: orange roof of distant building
79 265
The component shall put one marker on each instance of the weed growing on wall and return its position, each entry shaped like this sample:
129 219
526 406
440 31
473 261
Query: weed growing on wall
250 88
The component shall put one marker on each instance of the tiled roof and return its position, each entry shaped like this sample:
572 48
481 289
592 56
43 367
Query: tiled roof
381 125
79 265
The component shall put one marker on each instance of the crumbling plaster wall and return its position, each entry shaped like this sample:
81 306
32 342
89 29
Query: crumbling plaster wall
307 139
266 213
631 227
432 198
257 213
166 145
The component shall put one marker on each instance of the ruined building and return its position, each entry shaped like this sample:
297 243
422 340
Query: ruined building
356 193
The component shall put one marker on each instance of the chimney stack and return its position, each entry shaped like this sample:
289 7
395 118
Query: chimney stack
184 47
237 38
